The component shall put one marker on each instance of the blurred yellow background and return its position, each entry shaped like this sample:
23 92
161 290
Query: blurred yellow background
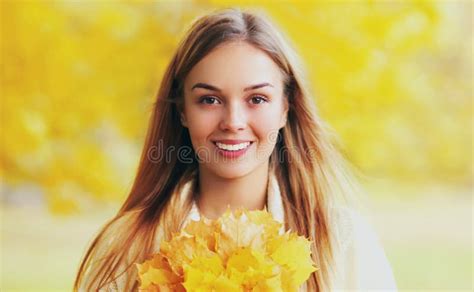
393 79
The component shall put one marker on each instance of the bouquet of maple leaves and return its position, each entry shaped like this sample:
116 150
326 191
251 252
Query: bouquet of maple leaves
240 251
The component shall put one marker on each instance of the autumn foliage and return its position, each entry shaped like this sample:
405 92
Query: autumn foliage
393 79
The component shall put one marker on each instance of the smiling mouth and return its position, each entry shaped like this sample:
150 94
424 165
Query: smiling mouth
233 147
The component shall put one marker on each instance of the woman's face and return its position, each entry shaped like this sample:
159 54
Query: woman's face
233 109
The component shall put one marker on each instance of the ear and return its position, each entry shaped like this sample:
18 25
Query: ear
184 121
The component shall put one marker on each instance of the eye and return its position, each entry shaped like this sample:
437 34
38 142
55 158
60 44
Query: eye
258 99
208 100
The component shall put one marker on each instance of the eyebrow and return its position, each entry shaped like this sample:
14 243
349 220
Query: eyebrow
214 88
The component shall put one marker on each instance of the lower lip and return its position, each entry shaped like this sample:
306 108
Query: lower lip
232 154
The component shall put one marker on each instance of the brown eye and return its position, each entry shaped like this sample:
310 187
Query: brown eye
257 99
208 100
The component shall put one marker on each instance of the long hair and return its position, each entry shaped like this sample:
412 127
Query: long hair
311 171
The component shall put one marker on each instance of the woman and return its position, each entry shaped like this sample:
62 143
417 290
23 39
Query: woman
234 125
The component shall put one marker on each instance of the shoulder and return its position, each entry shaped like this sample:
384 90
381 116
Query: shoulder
342 220
350 226
360 260
106 245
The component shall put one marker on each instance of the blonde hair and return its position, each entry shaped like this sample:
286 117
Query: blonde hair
310 170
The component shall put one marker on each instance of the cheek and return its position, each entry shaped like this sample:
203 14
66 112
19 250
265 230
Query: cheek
201 125
267 133
267 124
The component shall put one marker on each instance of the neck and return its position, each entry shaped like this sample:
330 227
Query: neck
216 193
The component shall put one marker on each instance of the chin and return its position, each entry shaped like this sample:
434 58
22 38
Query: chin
229 172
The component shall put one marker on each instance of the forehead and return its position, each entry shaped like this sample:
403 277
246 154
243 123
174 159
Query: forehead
235 65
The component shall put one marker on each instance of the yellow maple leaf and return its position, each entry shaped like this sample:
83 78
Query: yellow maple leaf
203 230
182 249
237 230
262 217
156 271
248 267
292 251
270 285
198 279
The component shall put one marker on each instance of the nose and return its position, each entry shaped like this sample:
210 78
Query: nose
234 118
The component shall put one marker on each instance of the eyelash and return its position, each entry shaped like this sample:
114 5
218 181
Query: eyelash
207 97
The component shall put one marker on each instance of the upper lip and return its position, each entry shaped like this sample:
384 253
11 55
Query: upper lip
231 141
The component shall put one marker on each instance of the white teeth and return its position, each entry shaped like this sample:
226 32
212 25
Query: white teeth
233 147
